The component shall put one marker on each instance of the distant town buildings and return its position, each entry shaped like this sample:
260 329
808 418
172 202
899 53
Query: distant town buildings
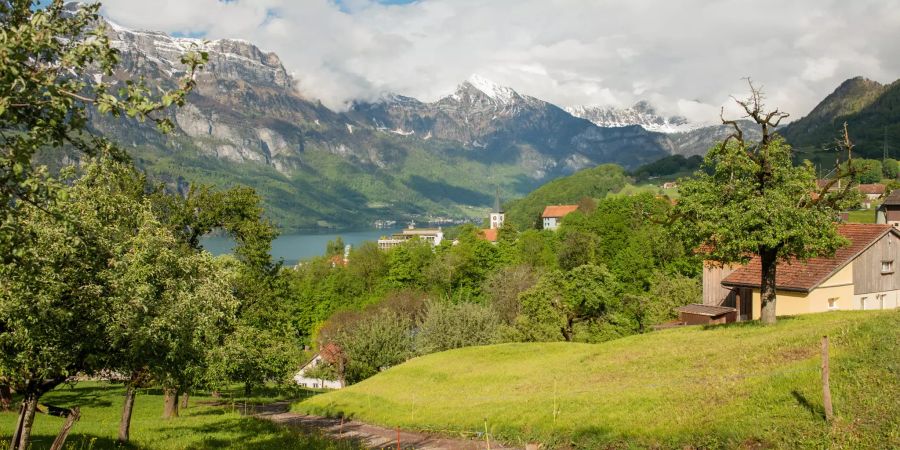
669 185
433 236
553 215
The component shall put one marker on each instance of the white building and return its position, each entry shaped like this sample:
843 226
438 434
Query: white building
433 236
553 215
317 383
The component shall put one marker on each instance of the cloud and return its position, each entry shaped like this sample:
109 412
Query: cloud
687 57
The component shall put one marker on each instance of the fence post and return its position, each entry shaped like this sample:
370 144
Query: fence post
826 387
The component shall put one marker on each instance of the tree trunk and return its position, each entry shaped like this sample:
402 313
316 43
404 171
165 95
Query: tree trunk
184 400
568 330
17 432
247 389
5 398
29 407
71 418
127 408
769 261
170 402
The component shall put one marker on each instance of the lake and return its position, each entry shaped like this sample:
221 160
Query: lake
294 247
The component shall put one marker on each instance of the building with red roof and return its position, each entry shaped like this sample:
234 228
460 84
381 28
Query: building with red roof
553 215
861 275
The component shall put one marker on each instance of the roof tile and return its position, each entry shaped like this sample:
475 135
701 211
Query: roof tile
558 210
806 275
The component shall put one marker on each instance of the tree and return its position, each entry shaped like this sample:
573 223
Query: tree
503 288
383 340
46 97
335 247
866 170
560 300
890 168
749 199
448 326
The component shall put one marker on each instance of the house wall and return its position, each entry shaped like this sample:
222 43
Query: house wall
713 291
302 380
551 223
867 276
788 303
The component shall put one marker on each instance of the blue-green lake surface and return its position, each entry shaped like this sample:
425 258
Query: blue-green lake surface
295 247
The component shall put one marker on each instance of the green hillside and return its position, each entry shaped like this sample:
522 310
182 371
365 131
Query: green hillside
871 111
735 386
595 182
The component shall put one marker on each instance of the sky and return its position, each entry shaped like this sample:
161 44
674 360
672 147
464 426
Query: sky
686 57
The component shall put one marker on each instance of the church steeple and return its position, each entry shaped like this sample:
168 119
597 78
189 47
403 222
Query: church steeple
497 216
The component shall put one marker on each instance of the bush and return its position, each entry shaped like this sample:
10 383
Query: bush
382 340
448 326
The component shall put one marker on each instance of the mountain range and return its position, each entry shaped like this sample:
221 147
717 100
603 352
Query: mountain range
397 158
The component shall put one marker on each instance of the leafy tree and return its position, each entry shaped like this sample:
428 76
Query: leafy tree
503 288
668 292
890 168
576 249
448 326
751 200
335 247
866 170
383 340
407 262
560 300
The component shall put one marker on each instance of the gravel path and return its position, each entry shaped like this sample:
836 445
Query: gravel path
370 435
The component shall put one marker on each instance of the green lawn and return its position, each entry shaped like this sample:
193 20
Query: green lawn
734 386
861 216
200 426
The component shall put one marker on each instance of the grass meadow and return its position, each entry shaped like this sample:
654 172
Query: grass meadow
207 423
741 385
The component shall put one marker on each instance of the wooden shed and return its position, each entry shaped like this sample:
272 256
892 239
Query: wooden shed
697 314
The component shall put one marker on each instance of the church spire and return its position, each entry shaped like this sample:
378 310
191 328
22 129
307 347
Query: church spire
497 207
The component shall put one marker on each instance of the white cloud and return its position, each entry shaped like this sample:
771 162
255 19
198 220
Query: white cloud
688 57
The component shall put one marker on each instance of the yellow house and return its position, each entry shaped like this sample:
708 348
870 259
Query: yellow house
862 275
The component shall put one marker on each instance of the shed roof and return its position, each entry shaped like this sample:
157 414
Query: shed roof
558 210
804 276
893 199
705 310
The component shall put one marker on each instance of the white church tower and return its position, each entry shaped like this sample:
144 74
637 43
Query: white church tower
497 215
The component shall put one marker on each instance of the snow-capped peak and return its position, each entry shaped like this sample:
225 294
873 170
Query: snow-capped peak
491 89
642 113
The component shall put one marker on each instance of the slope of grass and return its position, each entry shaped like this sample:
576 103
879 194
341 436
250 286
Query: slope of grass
736 386
201 426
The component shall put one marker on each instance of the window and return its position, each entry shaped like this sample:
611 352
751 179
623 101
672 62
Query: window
833 303
887 266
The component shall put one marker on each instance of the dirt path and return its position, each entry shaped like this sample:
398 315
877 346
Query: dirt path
370 435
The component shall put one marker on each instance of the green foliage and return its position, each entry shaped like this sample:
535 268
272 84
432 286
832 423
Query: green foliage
335 247
890 168
562 299
43 106
730 210
866 170
448 326
596 182
383 340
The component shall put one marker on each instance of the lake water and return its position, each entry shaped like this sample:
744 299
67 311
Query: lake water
294 247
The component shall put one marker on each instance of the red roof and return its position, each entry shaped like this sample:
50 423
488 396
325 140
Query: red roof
805 276
872 189
489 234
558 210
